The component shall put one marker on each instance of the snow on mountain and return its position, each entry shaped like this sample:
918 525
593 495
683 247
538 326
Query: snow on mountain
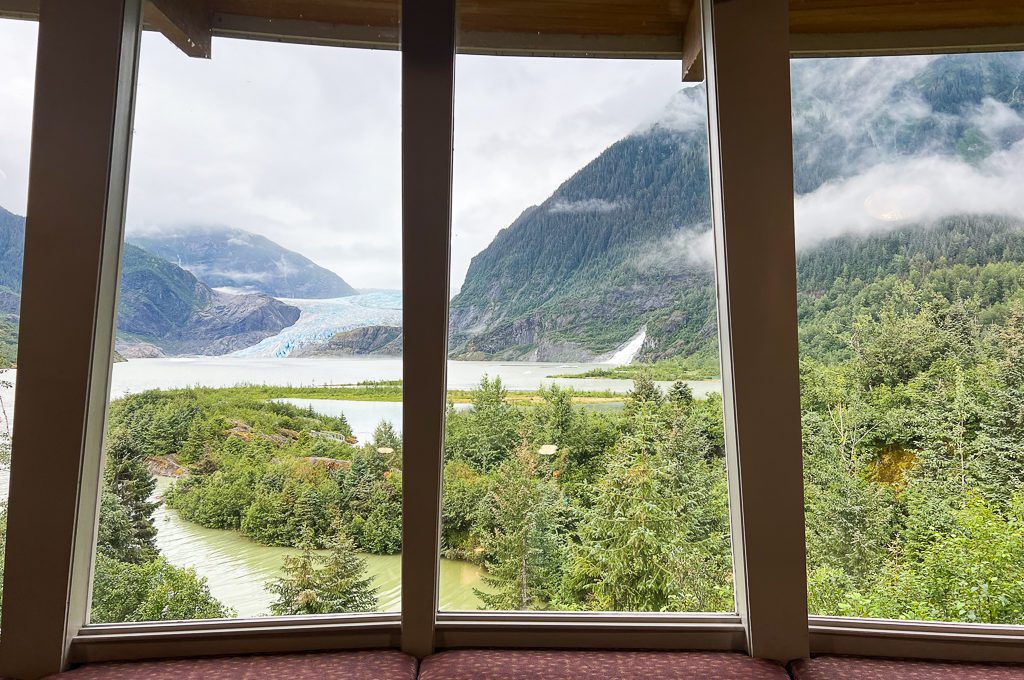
321 319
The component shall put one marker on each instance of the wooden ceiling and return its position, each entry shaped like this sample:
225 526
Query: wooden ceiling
601 17
602 28
865 16
646 17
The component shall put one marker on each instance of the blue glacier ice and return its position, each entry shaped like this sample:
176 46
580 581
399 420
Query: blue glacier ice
321 319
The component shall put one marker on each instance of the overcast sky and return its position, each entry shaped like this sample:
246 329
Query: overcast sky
302 144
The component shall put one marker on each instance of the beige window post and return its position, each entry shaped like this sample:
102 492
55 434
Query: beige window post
746 56
428 81
86 64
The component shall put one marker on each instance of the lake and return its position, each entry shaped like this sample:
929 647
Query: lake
237 568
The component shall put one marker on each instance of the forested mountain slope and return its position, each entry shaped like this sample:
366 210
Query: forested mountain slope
166 306
161 305
234 258
624 243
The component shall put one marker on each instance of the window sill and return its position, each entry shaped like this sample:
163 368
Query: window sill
919 639
109 642
578 630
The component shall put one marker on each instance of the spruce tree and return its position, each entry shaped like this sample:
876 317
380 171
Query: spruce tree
517 525
644 393
631 539
126 476
680 393
386 437
314 583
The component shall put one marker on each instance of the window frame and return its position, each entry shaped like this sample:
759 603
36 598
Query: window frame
45 608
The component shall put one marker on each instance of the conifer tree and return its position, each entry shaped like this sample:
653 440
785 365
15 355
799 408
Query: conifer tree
126 476
517 525
314 583
386 437
631 540
644 393
680 393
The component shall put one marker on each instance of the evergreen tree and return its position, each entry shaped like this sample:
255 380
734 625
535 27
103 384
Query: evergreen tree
126 476
680 393
386 437
517 524
153 591
324 584
631 540
644 394
486 434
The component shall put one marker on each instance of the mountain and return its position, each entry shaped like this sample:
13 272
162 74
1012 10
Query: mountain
376 340
12 253
166 306
624 243
223 257
163 309
578 275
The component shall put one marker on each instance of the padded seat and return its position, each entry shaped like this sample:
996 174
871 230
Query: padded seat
861 668
483 664
360 665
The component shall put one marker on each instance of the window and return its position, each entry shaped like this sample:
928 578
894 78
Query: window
253 450
591 470
584 454
17 53
910 254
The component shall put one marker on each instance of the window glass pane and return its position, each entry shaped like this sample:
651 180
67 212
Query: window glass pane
253 453
584 463
909 219
17 83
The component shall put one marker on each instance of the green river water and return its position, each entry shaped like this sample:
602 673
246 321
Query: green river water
236 568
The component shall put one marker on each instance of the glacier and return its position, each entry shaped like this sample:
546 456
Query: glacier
321 319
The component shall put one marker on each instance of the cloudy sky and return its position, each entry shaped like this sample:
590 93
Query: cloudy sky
302 144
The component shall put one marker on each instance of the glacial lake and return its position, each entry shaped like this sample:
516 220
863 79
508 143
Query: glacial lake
237 568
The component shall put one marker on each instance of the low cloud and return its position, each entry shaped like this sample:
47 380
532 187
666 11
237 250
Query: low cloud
203 271
686 249
912 191
586 205
685 112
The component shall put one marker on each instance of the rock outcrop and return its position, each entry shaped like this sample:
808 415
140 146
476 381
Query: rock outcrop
376 340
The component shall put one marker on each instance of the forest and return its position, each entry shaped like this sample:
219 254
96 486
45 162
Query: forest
912 395
912 401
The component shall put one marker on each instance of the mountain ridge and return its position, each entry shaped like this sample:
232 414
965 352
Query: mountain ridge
163 309
624 243
228 257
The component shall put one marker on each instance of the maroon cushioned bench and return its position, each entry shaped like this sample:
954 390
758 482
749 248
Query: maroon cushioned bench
861 668
360 665
484 664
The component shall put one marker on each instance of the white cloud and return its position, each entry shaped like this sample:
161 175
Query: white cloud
915 190
687 248
687 110
302 144
586 205
17 86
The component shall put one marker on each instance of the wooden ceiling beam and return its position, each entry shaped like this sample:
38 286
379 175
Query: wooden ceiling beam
19 9
693 45
883 43
818 28
186 23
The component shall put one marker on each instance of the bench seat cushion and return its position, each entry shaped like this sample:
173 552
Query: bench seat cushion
860 668
482 664
360 665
